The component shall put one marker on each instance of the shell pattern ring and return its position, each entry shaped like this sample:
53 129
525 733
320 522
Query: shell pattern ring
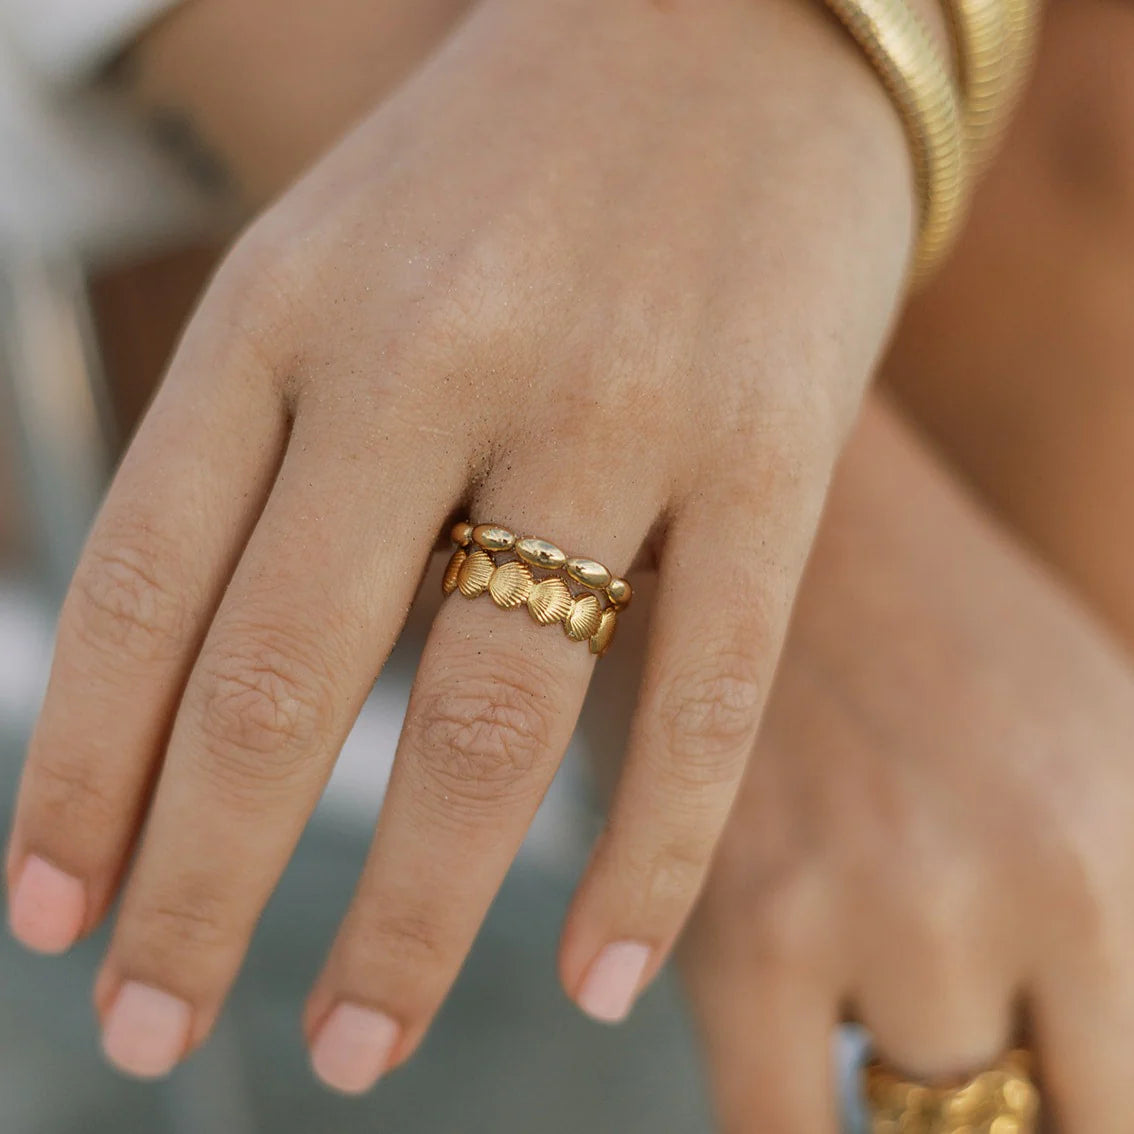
580 594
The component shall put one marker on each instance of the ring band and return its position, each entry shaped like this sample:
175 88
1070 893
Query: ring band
581 594
1000 1100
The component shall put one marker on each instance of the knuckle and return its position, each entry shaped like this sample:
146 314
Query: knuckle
407 941
672 876
171 928
481 737
263 710
71 795
261 294
931 904
262 275
779 909
121 602
187 922
708 715
768 897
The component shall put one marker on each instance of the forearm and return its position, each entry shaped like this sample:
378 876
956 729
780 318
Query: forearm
261 87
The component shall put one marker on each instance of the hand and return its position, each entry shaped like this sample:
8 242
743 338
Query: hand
605 272
937 831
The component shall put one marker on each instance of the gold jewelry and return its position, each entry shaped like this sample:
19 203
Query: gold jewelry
915 75
1000 1100
994 42
581 594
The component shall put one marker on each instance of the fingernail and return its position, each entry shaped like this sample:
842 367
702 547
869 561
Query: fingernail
47 907
146 1031
353 1048
611 987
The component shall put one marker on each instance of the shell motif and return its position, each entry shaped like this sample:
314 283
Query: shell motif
511 584
583 619
449 581
619 592
474 574
589 573
493 538
540 553
550 601
461 533
604 635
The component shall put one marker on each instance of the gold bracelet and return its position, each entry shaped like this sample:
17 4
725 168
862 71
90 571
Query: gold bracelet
993 42
916 77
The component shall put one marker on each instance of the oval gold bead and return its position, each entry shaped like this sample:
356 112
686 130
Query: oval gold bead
550 601
1020 1097
604 635
493 538
461 533
918 1096
619 592
511 584
449 580
540 553
1005 1124
583 618
474 574
966 1101
589 573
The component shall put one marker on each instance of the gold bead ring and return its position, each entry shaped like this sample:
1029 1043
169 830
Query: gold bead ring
580 594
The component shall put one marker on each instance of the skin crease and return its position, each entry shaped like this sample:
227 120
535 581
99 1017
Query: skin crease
724 968
521 298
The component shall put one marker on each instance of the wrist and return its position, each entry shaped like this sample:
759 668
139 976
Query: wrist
753 55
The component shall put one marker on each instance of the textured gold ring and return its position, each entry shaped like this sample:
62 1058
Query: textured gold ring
513 570
1000 1100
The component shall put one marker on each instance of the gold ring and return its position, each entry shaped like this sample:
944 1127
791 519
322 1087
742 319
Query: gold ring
580 594
999 1100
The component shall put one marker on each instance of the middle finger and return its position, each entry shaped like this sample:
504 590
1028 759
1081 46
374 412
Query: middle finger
494 705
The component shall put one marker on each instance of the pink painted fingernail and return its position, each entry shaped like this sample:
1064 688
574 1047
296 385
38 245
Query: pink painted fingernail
146 1031
611 987
353 1048
47 907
